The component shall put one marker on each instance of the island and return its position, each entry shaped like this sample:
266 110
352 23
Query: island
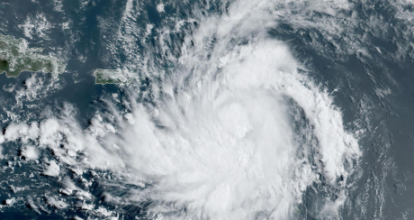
16 56
112 76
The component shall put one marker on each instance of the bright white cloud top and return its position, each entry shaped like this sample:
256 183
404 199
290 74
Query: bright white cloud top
237 131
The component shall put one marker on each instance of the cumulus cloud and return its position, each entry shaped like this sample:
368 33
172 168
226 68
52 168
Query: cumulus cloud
52 169
30 153
36 26
55 202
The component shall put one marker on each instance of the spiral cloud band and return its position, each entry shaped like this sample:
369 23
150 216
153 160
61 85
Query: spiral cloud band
236 131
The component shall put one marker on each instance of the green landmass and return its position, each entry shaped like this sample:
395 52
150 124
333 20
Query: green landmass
16 57
112 76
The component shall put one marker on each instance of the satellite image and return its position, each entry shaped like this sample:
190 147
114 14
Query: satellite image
207 109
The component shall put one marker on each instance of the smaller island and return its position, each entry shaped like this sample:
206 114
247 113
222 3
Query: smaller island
16 57
112 76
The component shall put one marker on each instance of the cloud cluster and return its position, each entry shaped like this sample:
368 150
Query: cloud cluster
220 138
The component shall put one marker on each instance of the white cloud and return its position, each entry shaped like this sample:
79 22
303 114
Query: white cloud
219 140
36 26
55 202
52 169
30 152
160 8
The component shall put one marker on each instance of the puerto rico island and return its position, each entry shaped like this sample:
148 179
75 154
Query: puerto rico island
112 76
